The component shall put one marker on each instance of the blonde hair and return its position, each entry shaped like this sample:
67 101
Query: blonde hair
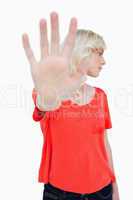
85 41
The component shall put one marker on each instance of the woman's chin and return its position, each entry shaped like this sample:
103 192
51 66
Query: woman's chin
95 74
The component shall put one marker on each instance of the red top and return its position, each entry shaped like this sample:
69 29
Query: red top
74 156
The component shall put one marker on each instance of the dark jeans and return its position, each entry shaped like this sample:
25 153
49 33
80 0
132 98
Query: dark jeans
51 192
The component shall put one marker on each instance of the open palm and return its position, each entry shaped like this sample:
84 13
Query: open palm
52 73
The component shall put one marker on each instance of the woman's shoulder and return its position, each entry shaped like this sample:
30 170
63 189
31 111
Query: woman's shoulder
100 90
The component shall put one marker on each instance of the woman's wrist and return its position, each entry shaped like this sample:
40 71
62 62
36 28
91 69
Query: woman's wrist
115 186
39 107
45 104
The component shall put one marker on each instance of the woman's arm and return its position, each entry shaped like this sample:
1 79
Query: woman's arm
109 151
37 113
110 158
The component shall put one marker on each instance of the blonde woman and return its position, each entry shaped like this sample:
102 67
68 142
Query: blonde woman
76 160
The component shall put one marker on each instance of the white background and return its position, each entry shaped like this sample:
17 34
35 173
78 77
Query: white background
21 138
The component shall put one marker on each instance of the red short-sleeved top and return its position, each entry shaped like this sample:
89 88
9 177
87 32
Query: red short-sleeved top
74 156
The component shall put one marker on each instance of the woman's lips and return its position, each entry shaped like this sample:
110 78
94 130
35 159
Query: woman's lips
100 68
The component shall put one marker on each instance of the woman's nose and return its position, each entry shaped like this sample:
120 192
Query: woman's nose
103 61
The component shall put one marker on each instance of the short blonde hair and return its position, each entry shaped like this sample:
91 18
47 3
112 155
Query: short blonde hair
85 41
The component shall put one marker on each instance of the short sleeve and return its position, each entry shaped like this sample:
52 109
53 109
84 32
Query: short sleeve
107 116
37 114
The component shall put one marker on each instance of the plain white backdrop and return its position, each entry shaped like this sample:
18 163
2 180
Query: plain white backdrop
21 138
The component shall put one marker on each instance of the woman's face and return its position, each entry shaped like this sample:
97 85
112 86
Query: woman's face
91 66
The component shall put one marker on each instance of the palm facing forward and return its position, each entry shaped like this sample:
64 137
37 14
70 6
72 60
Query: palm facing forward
51 75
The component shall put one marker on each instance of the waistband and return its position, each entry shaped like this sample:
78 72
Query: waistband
57 190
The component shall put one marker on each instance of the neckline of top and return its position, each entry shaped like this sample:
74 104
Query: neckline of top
73 104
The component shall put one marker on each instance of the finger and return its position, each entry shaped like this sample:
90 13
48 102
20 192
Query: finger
70 39
43 39
55 38
28 50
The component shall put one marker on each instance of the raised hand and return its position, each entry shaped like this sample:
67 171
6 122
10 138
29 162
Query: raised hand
51 75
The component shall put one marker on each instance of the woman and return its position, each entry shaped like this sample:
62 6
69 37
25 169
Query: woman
74 117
